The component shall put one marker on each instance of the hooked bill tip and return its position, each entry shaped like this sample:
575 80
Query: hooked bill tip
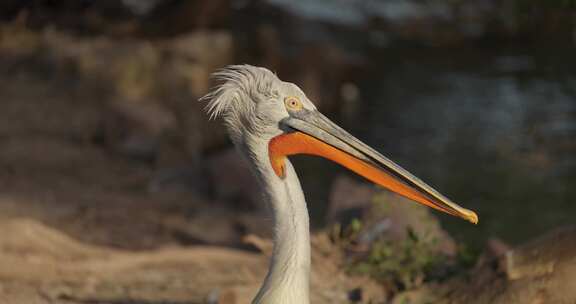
471 216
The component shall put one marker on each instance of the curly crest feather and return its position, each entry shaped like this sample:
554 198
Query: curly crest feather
239 85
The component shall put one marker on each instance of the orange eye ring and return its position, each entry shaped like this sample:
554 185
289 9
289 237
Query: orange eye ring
293 103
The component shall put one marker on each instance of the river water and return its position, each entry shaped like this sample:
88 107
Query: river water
493 127
495 130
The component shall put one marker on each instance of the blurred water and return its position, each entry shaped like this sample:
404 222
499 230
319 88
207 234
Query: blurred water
356 12
495 131
492 128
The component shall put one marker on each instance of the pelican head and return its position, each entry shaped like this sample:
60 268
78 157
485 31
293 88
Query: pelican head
257 106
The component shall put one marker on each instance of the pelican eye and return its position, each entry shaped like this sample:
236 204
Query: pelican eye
293 103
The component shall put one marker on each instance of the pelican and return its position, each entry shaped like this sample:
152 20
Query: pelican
268 120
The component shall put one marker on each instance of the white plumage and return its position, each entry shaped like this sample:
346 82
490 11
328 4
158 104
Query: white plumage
250 101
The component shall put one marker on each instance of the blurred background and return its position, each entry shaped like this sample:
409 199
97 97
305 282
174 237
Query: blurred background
102 138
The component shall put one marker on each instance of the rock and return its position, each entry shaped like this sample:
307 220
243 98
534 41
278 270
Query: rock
493 255
540 271
328 262
348 199
543 256
385 215
495 247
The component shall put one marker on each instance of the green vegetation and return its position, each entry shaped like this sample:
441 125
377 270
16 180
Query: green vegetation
402 265
399 264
